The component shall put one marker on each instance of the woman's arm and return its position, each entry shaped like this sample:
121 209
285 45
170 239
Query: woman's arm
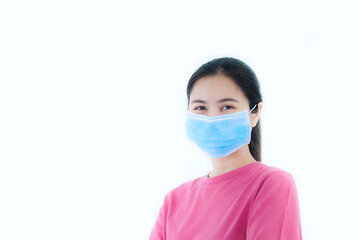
275 213
159 230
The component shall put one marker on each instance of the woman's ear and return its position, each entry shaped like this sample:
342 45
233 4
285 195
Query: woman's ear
255 116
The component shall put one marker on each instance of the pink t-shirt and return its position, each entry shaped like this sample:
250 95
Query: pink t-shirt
253 202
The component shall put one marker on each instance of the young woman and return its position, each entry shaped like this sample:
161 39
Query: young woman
241 198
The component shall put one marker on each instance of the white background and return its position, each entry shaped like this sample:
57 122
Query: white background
93 97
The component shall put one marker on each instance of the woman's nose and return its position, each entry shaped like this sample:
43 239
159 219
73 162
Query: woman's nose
213 113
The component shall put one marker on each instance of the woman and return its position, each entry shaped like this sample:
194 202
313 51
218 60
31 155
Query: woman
241 198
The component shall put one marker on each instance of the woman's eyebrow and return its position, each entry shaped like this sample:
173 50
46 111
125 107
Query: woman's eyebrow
219 101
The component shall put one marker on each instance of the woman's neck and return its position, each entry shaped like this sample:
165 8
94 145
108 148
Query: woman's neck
238 159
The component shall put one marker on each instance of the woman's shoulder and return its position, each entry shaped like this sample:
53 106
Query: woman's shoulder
260 174
275 176
268 170
185 187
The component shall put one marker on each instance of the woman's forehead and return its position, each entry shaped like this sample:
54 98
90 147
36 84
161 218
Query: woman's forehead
215 88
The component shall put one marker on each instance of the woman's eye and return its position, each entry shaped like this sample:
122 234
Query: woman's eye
199 108
228 106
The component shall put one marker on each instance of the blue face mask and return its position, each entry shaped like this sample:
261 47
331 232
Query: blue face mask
219 136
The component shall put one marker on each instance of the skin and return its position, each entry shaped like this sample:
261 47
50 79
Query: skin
211 89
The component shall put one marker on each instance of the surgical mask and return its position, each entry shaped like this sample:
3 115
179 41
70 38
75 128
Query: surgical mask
221 135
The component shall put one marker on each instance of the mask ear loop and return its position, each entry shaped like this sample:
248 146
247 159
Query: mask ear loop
253 108
250 130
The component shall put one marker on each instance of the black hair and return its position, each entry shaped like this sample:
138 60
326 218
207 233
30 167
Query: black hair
246 79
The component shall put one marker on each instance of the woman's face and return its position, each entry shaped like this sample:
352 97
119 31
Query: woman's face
218 95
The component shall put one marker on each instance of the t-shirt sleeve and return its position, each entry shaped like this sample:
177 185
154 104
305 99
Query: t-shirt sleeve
274 214
159 229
